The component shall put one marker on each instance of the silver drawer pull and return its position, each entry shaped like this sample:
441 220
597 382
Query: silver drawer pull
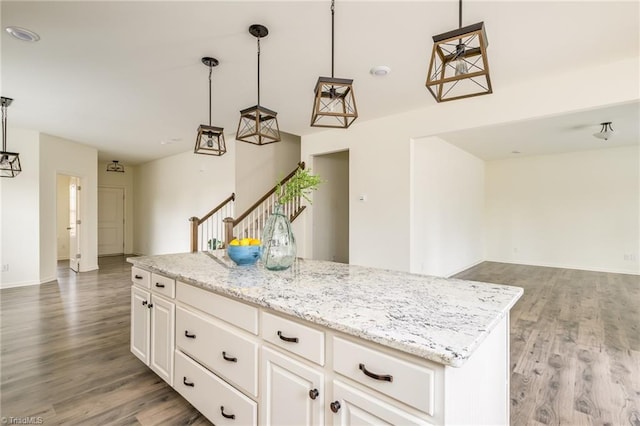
383 377
287 339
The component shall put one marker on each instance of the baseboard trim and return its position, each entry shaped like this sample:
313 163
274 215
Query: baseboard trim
563 266
465 268
88 268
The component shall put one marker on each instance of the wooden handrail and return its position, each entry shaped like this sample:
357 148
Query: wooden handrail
237 220
232 197
195 222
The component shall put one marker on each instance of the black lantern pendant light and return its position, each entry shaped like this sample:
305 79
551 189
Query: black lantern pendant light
258 125
459 67
115 166
9 161
334 104
210 140
606 131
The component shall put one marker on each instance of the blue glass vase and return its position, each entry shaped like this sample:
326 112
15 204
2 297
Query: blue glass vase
278 242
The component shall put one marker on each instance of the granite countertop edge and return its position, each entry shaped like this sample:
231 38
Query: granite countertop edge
450 355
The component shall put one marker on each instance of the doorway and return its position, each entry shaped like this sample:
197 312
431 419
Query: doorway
110 221
331 208
68 223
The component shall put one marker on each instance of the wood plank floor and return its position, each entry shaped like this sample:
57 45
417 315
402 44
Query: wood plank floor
65 356
575 345
575 350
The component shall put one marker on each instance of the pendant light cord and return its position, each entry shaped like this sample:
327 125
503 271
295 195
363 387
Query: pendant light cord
333 12
210 70
460 14
4 128
258 71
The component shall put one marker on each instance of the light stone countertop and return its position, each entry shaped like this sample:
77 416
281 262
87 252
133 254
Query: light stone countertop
439 319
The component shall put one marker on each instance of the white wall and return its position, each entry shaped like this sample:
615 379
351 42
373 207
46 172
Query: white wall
62 216
575 210
61 156
125 181
19 213
259 168
380 154
331 215
447 209
171 190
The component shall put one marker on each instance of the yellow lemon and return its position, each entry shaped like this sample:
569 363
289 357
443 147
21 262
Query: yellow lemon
245 241
234 242
255 242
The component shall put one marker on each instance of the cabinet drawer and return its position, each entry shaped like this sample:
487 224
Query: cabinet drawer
163 285
360 408
294 337
141 277
218 401
409 383
236 313
219 347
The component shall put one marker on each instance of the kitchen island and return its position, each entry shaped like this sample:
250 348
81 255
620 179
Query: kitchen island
323 342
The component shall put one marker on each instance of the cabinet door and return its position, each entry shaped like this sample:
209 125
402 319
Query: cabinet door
162 337
354 407
292 392
140 317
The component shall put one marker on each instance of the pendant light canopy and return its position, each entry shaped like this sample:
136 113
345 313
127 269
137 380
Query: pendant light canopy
9 161
459 67
210 139
115 166
606 131
258 125
334 104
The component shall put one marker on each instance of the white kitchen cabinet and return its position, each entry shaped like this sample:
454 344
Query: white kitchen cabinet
162 337
249 352
217 400
292 392
140 320
152 328
351 407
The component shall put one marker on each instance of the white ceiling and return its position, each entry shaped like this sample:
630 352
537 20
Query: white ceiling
126 77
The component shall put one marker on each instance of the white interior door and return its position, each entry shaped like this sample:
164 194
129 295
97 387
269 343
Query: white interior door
110 221
74 223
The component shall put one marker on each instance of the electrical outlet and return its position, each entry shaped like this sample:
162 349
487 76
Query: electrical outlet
5 267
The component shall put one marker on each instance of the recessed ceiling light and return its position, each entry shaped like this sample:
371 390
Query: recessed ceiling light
23 34
380 70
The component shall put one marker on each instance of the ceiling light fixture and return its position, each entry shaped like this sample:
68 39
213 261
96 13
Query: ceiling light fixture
334 104
9 161
380 70
258 125
115 167
23 34
459 67
210 139
606 132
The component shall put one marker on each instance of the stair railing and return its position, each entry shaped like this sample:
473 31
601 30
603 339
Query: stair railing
207 233
251 223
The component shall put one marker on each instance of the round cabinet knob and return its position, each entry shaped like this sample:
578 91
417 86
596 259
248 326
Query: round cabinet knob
335 406
313 393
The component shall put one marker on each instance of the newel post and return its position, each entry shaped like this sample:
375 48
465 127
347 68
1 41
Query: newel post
228 230
194 233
